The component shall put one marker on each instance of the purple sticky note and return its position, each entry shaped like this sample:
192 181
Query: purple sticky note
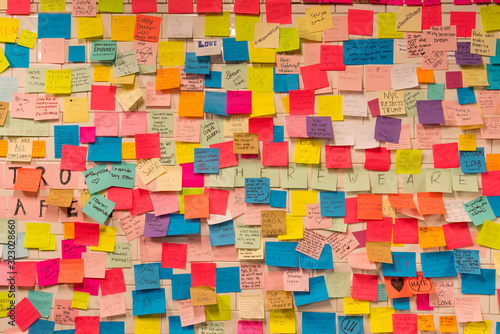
89 285
430 112
423 301
464 57
87 134
388 129
239 102
454 80
72 251
319 127
361 237
156 226
374 107
190 179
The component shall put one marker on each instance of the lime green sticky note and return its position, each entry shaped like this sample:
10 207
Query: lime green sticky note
384 182
217 24
356 179
27 38
489 235
489 17
294 177
438 180
408 161
220 311
111 6
244 26
260 79
289 40
37 235
324 178
464 182
386 26
414 183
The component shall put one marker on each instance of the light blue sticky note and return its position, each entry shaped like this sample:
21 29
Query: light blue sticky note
196 65
466 95
65 331
351 324
472 161
215 103
20 251
403 265
9 86
227 280
381 293
148 301
213 80
175 327
17 55
65 134
495 204
107 149
76 53
257 190
54 26
42 301
165 273
112 327
180 226
99 208
435 91
317 292
479 210
496 60
97 178
281 254
181 285
147 276
206 160
222 234
438 264
332 203
235 51
467 261
401 303
122 175
493 72
283 83
324 262
483 284
278 199
42 326
103 51
369 52
278 133
318 322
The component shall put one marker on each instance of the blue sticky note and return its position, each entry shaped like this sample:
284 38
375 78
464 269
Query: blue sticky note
496 60
97 178
479 210
401 303
65 134
42 301
148 301
175 327
112 327
206 160
369 52
351 324
165 273
54 26
332 203
105 149
222 234
467 261
438 264
281 254
213 80
215 103
17 55
76 53
227 280
42 326
493 72
180 226
257 190
278 133
235 51
318 322
181 285
435 91
483 284
325 260
65 331
283 83
317 292
195 64
123 174
20 251
147 276
495 204
278 199
381 293
403 265
472 161
466 95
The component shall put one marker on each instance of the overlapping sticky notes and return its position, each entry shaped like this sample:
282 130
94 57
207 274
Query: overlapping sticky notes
60 197
26 314
99 208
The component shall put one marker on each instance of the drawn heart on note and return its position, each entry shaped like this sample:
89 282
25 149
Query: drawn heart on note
337 282
96 181
318 219
398 283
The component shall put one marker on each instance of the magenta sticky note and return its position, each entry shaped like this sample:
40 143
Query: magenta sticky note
87 134
190 179
47 272
72 251
374 107
89 285
239 102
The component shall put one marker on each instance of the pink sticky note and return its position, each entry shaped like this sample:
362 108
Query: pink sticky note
247 7
274 280
431 15
112 305
464 21
94 265
339 31
423 303
236 202
187 129
279 11
26 273
227 253
209 6
199 249
165 202
301 102
364 287
239 102
189 178
84 8
52 51
249 327
147 145
47 272
462 2
87 134
113 282
191 315
74 157
377 78
23 106
134 122
63 313
141 202
180 7
106 124
226 156
351 79
157 98
87 325
72 251
360 261
26 314
296 279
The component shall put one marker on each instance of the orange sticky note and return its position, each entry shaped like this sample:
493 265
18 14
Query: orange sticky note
425 76
370 207
168 78
492 162
448 324
69 231
71 271
38 149
402 201
432 236
431 203
425 322
191 104
128 151
397 287
4 147
196 206
28 179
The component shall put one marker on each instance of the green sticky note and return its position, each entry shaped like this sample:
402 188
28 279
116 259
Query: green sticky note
464 182
81 79
211 132
217 24
381 293
438 180
225 178
324 178
98 178
435 91
244 26
188 191
247 168
273 174
7 225
120 258
103 51
147 69
384 182
414 183
122 175
338 225
110 6
247 236
411 98
356 179
167 149
294 177
289 40
42 301
235 76
99 208
161 122
338 284
35 80
386 26
24 127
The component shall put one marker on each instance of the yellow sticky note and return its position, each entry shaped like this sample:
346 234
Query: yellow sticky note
37 235
489 17
300 199
52 244
244 26
125 80
467 142
38 150
261 55
478 327
89 27
408 161
496 259
53 5
266 35
5 302
27 38
330 106
379 251
184 152
122 28
107 239
84 197
285 101
128 96
307 151
263 104
431 236
289 40
475 75
386 26
217 24
8 29
319 18
58 82
489 235
147 324
294 228
80 300
76 110
381 319
355 306
260 79
128 151
303 31
220 311
171 53
101 73
4 62
282 321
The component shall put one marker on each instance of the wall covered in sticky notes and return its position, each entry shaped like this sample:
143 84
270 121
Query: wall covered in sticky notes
249 166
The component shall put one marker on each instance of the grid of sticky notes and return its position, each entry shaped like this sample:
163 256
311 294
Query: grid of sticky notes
249 167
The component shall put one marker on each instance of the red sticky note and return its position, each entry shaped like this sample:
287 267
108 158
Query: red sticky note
457 235
26 273
102 97
121 196
454 80
364 287
247 7
173 255
374 107
360 22
491 183
338 156
147 146
26 314
332 58
144 6
446 155
378 158
405 231
141 202
465 22
87 234
274 154
147 28
113 282
226 156
431 203
190 179
203 274
209 6
379 230
351 210
87 325
314 77
180 7
217 200
18 7
431 16
370 207
279 11
301 102
74 157
47 272
196 206
261 126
